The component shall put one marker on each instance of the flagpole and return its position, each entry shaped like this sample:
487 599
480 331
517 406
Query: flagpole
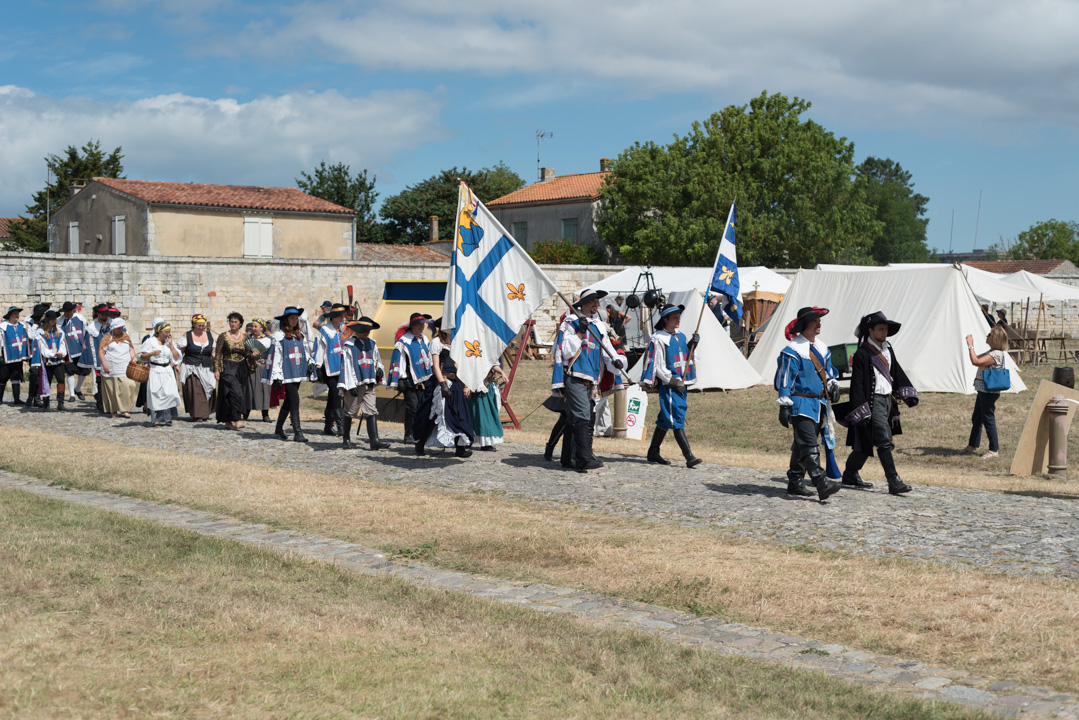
610 354
709 290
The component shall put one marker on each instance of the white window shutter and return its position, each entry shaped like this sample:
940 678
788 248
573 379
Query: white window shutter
258 237
119 235
266 238
73 238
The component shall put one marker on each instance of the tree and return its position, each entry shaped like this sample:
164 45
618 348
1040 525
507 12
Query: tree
31 234
889 191
336 184
1048 240
793 182
407 214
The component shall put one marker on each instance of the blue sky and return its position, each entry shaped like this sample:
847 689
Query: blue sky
967 96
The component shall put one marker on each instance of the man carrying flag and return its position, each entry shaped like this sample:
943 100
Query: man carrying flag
494 286
725 272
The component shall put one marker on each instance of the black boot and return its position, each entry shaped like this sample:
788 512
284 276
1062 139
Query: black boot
462 451
46 402
297 434
265 416
552 442
16 392
825 487
568 447
328 428
280 430
692 461
653 448
372 434
60 403
796 486
346 433
896 486
3 389
582 445
851 478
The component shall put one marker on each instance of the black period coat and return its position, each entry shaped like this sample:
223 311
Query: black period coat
853 413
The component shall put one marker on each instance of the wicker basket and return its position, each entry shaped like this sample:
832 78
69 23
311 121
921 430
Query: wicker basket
137 372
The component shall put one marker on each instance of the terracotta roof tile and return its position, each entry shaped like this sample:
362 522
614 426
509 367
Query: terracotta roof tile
245 197
376 252
1004 267
5 226
584 186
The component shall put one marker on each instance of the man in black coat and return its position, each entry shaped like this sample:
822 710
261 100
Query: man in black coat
871 415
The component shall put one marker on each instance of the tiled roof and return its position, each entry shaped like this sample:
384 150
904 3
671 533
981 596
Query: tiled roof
376 252
244 197
584 186
5 226
1004 267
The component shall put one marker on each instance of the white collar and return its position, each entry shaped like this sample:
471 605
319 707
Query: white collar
800 344
882 348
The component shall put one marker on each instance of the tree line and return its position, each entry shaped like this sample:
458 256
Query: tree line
801 199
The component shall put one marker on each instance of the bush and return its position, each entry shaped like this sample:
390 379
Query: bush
558 252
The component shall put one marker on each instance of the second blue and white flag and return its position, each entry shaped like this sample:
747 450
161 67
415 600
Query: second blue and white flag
725 272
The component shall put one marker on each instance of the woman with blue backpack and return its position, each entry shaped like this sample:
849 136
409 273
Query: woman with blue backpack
992 379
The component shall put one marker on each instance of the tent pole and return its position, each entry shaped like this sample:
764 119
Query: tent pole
1026 324
1038 327
698 329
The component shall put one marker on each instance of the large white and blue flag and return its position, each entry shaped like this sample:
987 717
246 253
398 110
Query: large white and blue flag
725 272
494 286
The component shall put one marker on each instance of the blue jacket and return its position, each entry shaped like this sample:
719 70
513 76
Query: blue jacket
797 377
16 342
673 353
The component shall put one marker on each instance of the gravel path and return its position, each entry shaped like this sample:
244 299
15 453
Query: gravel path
1008 533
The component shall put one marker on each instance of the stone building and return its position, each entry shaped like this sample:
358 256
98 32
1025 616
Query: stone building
555 209
111 216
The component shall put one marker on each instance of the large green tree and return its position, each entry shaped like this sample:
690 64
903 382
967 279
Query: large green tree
337 184
407 214
793 181
1048 240
31 234
890 192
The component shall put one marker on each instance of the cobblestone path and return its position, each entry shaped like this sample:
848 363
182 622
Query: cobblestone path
910 678
1008 533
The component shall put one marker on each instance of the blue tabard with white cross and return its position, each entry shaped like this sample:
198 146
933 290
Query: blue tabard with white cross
294 360
267 369
89 358
35 354
332 364
676 358
589 362
363 359
53 340
16 343
74 330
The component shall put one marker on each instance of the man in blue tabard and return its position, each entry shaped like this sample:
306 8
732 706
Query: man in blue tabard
805 380
361 373
73 326
586 349
328 363
669 369
16 350
411 368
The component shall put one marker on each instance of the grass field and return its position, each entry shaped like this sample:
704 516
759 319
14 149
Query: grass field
1023 629
741 428
107 616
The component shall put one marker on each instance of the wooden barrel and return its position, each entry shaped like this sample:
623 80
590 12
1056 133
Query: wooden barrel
1064 376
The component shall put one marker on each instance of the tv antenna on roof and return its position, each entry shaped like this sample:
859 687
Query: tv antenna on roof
540 135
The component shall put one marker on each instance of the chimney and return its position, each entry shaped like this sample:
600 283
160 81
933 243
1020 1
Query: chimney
433 236
604 164
546 174
75 186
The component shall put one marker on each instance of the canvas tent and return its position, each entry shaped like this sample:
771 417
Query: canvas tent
673 279
1039 286
934 303
721 365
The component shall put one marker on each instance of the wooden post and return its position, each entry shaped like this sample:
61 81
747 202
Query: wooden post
1026 324
1038 327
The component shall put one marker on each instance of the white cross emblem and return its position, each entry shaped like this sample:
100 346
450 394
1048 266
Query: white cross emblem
294 355
74 332
336 350
18 342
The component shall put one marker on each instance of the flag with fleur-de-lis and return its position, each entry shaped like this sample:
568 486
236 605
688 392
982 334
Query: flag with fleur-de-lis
725 273
494 286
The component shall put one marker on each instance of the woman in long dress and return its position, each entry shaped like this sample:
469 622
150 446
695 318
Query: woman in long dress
118 393
196 370
230 371
256 392
161 392
442 420
484 408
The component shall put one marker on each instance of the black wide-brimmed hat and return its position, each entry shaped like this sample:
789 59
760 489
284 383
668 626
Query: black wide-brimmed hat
50 315
872 319
68 305
588 296
336 310
805 316
666 312
290 310
363 324
418 317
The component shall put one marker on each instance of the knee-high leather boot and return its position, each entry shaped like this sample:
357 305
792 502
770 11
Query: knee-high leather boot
372 434
346 432
582 448
552 442
896 486
692 461
569 446
297 434
825 487
653 448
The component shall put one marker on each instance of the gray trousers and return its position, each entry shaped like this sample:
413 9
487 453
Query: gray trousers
579 418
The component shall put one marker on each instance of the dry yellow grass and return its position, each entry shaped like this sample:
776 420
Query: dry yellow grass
113 617
1023 629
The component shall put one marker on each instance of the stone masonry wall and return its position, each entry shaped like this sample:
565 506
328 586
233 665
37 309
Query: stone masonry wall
175 288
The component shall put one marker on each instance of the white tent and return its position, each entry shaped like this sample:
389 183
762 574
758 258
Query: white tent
721 365
675 279
1040 286
934 303
991 287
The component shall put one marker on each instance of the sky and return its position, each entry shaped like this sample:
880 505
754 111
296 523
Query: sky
976 98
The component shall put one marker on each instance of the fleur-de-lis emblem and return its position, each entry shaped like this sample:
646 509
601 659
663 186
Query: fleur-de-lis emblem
472 349
517 292
726 275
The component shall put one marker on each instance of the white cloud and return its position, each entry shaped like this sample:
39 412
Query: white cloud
267 141
930 61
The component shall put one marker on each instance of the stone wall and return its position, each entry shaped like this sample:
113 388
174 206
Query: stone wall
175 288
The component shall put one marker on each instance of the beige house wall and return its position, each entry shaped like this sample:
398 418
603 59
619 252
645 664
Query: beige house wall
198 232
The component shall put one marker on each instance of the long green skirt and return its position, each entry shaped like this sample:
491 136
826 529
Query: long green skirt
486 422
